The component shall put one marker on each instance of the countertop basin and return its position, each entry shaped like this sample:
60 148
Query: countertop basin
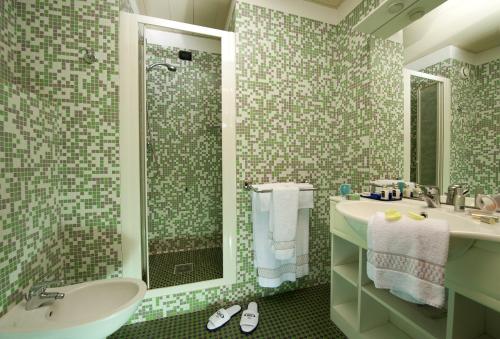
463 228
89 310
461 225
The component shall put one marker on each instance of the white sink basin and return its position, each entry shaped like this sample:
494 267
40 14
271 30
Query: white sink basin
461 225
463 228
89 310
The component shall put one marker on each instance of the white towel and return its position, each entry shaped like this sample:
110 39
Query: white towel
272 272
283 220
408 257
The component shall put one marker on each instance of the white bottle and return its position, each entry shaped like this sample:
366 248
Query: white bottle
417 192
384 193
408 193
396 194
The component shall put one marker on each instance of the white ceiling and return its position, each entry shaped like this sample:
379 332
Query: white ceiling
329 3
208 13
471 25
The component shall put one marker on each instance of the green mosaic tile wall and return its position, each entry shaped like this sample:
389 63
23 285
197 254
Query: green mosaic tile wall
30 245
7 40
59 145
303 112
369 104
51 35
283 132
475 113
184 163
386 94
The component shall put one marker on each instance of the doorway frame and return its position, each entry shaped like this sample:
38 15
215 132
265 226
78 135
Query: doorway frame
130 171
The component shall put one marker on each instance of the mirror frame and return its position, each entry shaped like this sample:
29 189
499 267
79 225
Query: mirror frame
444 131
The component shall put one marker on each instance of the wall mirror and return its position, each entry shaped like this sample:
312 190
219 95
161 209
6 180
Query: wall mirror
451 134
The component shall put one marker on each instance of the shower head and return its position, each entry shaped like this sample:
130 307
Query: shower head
170 67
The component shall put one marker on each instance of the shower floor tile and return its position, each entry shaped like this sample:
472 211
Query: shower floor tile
206 265
301 313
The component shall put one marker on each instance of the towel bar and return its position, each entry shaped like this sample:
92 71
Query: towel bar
248 186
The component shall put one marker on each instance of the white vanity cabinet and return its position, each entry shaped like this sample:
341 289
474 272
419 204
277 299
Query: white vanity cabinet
362 311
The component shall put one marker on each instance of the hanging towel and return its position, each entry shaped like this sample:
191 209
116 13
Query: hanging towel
306 198
302 243
408 257
283 220
272 272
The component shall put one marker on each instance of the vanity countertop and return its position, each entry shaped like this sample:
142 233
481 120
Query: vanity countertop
461 225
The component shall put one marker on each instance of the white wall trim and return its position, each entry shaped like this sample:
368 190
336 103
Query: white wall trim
230 14
129 145
130 152
407 73
454 52
179 40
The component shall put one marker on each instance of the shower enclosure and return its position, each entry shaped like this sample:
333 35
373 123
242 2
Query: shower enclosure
182 158
177 154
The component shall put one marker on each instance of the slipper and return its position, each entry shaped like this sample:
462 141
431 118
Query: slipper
222 316
249 318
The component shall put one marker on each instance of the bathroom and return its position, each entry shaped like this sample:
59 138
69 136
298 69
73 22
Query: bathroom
110 165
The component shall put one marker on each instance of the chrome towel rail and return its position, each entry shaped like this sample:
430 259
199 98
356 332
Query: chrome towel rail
247 185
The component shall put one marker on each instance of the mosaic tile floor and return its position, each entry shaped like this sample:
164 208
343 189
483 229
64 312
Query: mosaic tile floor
302 313
207 265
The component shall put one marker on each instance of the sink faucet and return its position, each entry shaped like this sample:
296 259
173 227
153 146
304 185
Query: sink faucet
431 196
37 297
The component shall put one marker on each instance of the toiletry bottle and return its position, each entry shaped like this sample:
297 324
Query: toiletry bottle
459 200
385 193
407 191
417 192
396 193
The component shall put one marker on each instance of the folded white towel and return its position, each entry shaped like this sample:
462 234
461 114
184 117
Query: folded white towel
408 257
283 220
272 272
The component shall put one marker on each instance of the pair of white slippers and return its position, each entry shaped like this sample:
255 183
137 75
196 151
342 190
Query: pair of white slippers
249 318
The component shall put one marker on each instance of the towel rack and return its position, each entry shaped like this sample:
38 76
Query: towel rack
249 187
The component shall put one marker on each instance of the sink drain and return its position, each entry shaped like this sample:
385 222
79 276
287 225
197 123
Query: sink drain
183 268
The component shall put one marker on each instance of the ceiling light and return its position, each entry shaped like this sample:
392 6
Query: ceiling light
416 14
396 7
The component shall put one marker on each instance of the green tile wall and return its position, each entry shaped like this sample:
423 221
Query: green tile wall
369 95
30 243
184 159
306 102
59 144
283 132
386 94
475 112
51 35
304 111
7 39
